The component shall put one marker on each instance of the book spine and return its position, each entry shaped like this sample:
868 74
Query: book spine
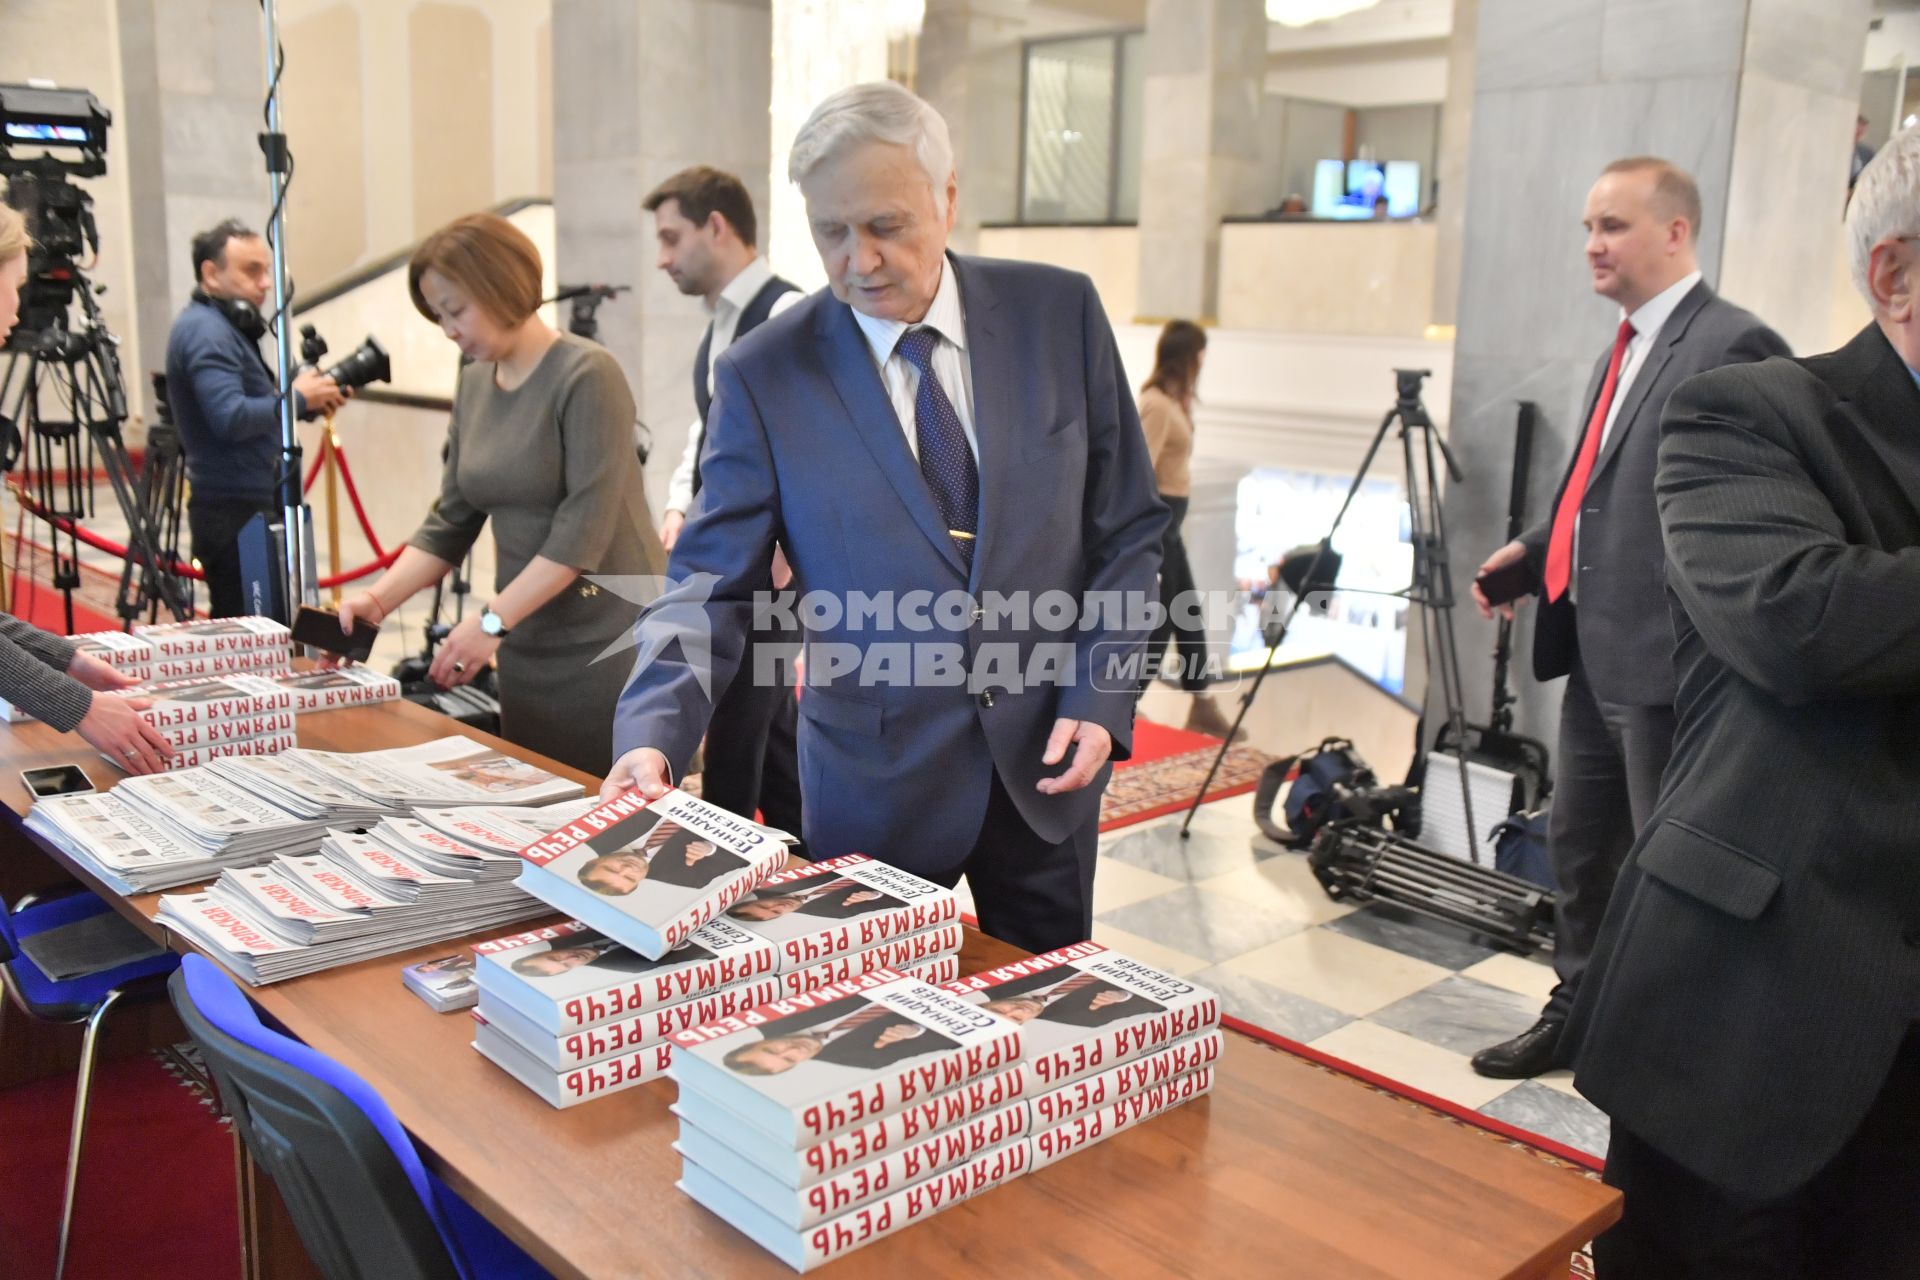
1096 1053
272 744
1090 1093
912 1124
862 1226
590 1044
1055 1144
898 954
218 664
358 695
870 931
935 971
739 886
637 1067
891 1092
909 1164
218 731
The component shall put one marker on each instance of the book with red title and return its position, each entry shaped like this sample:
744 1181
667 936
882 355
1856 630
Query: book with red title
178 703
1101 1123
1053 1107
838 906
805 1250
270 724
216 635
649 873
804 1068
927 947
568 1088
567 976
249 662
122 652
324 690
264 745
1084 1008
569 1049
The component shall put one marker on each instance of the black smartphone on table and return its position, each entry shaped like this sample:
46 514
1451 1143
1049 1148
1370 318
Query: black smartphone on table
1508 583
57 780
321 629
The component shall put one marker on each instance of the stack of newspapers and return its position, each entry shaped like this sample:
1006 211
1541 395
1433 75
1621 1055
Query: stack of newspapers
402 885
217 647
572 1014
819 1123
446 771
207 718
117 649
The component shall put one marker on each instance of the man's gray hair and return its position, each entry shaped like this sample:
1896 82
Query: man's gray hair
1886 202
880 111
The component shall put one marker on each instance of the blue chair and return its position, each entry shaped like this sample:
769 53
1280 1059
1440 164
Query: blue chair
83 999
364 1204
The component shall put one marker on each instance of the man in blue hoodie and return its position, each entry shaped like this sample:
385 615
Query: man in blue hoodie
226 402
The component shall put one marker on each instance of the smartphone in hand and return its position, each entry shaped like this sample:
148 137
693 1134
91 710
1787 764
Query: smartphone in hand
321 629
1508 583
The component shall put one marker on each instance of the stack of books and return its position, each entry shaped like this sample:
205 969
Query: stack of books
218 647
117 649
360 896
445 984
324 690
821 1123
207 718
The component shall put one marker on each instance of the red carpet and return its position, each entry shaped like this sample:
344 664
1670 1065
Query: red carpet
156 1178
29 579
1165 772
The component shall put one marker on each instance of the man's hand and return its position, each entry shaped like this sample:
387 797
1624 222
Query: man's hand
1094 746
318 392
896 1033
642 767
865 895
116 730
670 528
1106 998
98 674
1512 553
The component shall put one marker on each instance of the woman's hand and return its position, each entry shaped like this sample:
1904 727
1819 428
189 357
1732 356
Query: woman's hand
361 606
96 673
462 654
117 731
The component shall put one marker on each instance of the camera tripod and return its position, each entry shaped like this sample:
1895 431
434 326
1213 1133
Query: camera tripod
1430 591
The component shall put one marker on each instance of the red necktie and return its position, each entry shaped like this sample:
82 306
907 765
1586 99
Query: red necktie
829 887
854 1021
1078 983
1560 544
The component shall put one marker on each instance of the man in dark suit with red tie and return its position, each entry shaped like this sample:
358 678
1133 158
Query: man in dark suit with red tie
851 1032
1600 565
1070 997
824 896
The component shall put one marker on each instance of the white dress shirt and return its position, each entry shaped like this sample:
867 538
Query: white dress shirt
726 319
1647 322
950 364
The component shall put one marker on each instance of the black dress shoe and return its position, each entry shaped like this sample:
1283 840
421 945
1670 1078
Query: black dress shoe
1529 1054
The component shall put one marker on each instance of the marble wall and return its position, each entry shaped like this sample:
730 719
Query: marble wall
1752 96
1359 278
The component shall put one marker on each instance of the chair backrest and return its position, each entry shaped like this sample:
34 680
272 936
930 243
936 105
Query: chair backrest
349 1174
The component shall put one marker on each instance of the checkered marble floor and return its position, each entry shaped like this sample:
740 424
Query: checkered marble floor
1409 998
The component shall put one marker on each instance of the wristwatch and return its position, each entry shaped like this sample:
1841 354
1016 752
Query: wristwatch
491 623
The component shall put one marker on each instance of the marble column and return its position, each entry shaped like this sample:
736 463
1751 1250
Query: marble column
193 79
1200 140
1756 98
970 69
641 90
1456 131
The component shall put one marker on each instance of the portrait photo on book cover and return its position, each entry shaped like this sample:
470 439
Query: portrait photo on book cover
583 962
799 906
654 871
1055 1007
837 1044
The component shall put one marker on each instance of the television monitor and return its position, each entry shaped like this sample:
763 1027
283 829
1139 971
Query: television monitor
1348 189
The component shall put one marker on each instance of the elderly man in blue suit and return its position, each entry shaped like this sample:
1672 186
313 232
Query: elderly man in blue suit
948 452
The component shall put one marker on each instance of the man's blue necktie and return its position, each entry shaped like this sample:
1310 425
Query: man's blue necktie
945 459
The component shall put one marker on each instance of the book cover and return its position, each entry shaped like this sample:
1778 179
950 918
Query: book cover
446 983
1083 1008
649 874
215 635
1051 1145
801 1207
801 1069
587 1045
910 952
1102 1088
568 976
176 703
805 1250
582 1084
798 1167
840 905
323 690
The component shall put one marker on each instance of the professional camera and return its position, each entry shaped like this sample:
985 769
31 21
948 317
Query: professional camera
366 363
66 131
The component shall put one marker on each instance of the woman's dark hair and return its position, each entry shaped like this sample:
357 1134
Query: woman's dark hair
1176 360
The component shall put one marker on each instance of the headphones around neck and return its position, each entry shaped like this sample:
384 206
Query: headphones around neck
240 313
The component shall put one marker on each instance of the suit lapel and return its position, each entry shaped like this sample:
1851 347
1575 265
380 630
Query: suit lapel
991 358
1670 336
1879 389
864 396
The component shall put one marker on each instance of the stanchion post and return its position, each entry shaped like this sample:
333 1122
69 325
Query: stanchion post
329 462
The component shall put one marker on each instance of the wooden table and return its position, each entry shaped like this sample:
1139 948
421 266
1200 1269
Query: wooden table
1284 1170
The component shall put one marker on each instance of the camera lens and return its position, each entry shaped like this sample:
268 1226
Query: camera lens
367 363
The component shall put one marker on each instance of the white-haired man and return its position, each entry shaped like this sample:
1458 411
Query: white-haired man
1748 1019
947 449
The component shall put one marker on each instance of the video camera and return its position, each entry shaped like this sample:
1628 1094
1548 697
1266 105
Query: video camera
49 136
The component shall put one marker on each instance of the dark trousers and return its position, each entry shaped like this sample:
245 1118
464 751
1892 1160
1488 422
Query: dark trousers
215 525
1027 891
1176 580
1852 1222
1606 781
752 763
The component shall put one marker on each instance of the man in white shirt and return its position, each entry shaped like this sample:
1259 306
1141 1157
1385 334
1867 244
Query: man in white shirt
1599 564
704 222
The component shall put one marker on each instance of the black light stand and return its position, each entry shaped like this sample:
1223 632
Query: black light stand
1431 589
160 495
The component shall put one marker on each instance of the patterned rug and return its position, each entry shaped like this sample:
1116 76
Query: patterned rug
1166 771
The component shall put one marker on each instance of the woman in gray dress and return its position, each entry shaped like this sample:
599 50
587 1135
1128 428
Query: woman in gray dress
542 442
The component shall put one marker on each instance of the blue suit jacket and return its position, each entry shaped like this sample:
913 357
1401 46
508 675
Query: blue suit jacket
226 406
804 449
